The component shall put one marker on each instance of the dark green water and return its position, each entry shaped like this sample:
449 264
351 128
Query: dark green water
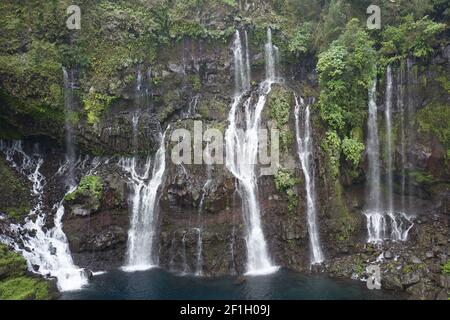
159 284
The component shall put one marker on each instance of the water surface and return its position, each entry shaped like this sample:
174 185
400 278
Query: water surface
158 284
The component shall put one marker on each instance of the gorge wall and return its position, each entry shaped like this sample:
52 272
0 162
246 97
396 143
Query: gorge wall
127 96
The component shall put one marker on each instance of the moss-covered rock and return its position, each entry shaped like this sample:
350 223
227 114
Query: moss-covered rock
86 199
281 109
15 284
15 199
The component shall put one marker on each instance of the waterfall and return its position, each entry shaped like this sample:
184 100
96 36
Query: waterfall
241 65
183 254
381 216
376 221
401 108
135 128
199 264
241 156
192 107
68 113
305 154
142 92
373 152
271 56
247 59
410 138
205 190
388 118
401 223
143 199
46 248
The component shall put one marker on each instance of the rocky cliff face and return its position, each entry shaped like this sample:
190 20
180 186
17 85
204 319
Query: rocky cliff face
192 81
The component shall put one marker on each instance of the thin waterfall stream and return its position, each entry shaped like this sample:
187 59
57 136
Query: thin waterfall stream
144 185
305 155
241 152
383 220
45 248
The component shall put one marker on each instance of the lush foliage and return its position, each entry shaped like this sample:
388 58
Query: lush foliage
14 284
301 39
346 70
95 104
285 181
280 109
352 150
446 268
90 186
416 37
332 147
434 119
14 193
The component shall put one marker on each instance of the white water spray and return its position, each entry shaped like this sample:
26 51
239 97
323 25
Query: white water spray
47 249
388 118
305 154
241 156
376 221
140 251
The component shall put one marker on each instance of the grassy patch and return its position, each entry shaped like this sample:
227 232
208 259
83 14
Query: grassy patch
14 283
24 288
90 186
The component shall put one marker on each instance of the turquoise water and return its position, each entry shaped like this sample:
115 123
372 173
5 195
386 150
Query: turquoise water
283 285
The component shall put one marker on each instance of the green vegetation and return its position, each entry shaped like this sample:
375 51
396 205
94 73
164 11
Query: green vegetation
14 194
331 145
300 43
360 267
14 283
434 119
417 37
421 177
90 186
35 44
285 182
446 268
352 150
95 104
24 288
346 70
281 102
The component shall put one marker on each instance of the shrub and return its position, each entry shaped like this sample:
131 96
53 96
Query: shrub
90 186
352 150
331 145
346 69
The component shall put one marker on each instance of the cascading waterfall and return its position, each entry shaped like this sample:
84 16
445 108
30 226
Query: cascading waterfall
401 108
381 215
140 255
401 223
271 57
46 248
199 263
388 118
205 190
192 107
376 220
241 154
183 254
68 110
142 92
305 154
410 129
241 65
